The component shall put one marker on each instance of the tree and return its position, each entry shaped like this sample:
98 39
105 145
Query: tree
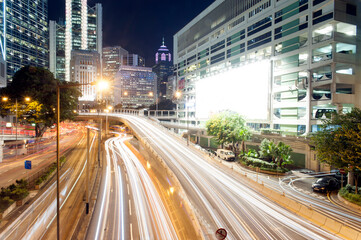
40 85
283 154
278 153
228 127
338 143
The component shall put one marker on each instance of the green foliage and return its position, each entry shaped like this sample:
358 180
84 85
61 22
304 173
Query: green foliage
266 147
13 193
252 153
5 202
228 127
348 193
338 143
280 153
47 174
255 162
40 85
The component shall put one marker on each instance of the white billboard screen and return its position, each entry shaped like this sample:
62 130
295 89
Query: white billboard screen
244 90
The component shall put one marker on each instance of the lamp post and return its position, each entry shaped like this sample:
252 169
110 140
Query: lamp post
101 85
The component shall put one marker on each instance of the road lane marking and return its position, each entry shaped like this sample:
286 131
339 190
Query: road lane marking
130 208
131 231
128 188
10 180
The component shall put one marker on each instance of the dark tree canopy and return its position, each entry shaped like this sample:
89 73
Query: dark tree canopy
40 85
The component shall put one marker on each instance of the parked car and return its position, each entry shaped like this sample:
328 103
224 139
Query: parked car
325 184
226 154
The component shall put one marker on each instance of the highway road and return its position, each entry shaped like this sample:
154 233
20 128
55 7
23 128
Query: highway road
40 215
219 197
13 168
298 187
128 206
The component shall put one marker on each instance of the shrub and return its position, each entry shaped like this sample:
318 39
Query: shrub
38 181
350 196
5 202
19 193
254 162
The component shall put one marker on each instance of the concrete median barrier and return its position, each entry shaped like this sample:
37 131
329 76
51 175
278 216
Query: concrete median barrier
319 218
332 225
306 212
349 233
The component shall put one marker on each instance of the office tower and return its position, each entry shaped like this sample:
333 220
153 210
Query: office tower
85 69
82 31
163 68
112 60
134 87
23 34
57 49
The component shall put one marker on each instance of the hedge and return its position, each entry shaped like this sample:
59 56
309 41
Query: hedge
348 193
263 165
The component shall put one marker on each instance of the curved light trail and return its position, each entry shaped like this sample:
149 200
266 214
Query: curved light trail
152 218
220 198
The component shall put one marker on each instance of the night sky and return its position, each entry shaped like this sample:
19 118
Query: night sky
139 25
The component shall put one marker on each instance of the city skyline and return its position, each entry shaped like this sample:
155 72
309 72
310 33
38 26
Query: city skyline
143 39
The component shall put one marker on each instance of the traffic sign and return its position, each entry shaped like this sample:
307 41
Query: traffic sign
27 164
342 171
221 234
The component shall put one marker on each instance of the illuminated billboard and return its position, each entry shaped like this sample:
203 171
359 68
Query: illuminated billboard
244 90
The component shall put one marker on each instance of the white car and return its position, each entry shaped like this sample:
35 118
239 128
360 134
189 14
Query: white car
226 154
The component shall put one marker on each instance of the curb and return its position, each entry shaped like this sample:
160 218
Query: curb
348 203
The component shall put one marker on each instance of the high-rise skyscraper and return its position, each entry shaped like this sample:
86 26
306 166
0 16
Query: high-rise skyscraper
163 68
23 34
134 87
57 49
85 68
112 60
82 31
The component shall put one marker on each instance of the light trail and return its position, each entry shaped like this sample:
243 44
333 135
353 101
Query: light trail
42 211
220 198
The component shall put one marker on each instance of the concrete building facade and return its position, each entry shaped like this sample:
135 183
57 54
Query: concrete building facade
284 65
85 69
134 87
309 51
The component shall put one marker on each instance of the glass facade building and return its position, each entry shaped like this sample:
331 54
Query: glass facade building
163 68
24 34
134 87
82 31
283 64
112 60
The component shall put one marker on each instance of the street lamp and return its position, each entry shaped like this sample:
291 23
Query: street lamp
151 94
101 85
5 99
